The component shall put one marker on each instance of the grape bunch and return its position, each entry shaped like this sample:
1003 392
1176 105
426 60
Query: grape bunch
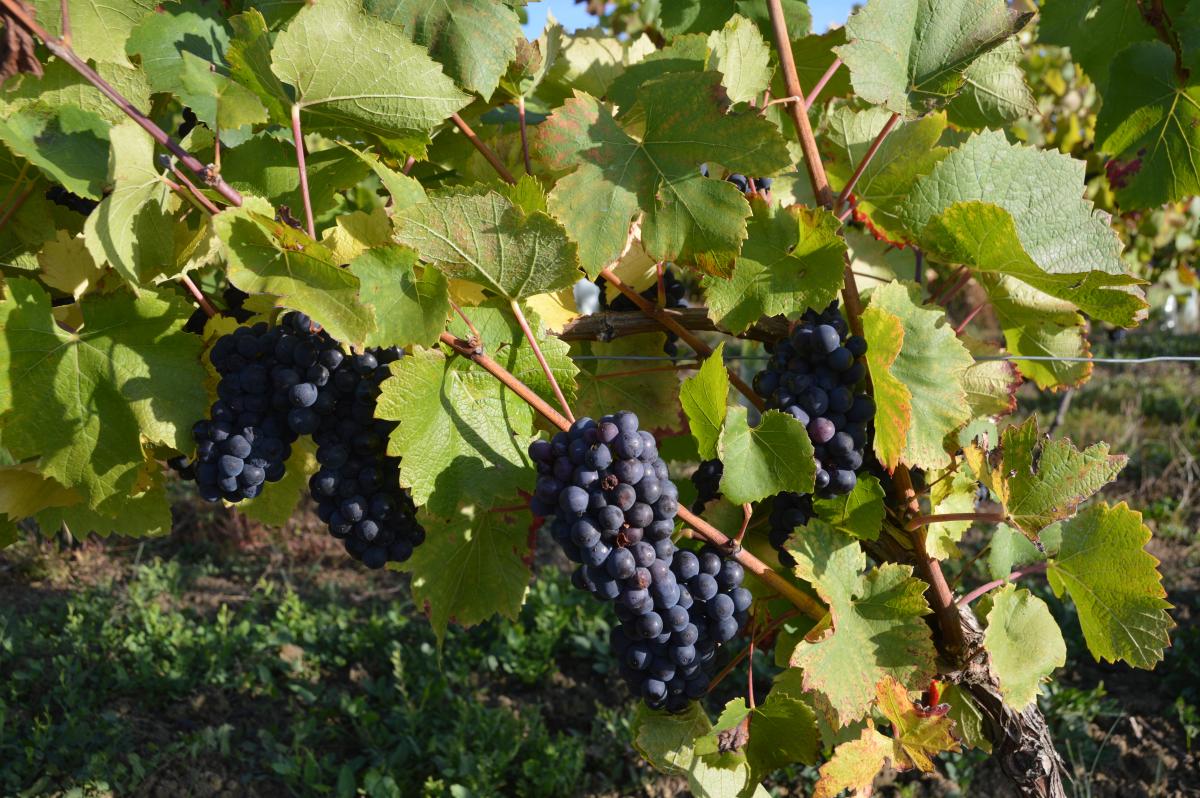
707 479
357 488
614 509
266 399
761 185
814 375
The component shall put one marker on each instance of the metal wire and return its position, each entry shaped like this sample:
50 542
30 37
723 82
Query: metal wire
1115 361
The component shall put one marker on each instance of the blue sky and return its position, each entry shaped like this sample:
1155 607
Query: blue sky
572 15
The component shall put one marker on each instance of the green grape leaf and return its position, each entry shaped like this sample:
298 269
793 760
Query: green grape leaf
854 765
98 30
495 322
479 235
910 56
462 434
967 717
874 616
793 259
783 731
142 511
667 741
930 365
1115 585
649 395
589 61
692 16
1024 644
991 385
704 397
248 54
994 92
473 564
474 40
182 51
269 257
616 176
379 82
773 457
266 167
356 232
983 236
1151 126
86 402
908 153
953 494
279 500
858 513
9 534
1040 481
409 307
1038 325
1054 239
689 53
1010 549
24 492
405 191
62 86
132 229
69 145
916 737
740 54
1095 30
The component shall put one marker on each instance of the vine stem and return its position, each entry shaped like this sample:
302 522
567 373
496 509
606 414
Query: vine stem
541 359
975 311
940 596
198 295
918 521
807 604
609 324
12 209
203 201
298 139
524 134
816 90
484 149
868 156
666 319
20 14
761 636
1037 568
812 156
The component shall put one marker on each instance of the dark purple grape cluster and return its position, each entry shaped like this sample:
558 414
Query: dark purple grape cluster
707 479
815 375
761 185
358 489
614 509
266 398
789 511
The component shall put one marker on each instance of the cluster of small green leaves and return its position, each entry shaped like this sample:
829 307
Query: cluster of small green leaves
99 382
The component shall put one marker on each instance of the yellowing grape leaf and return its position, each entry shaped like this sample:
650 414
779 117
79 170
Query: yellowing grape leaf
877 619
854 765
648 164
893 400
85 403
608 383
1115 585
916 738
930 366
1040 481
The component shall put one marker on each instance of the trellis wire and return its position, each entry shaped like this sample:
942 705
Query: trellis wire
1115 361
